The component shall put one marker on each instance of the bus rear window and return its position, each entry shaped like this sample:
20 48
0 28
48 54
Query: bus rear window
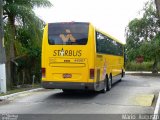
68 33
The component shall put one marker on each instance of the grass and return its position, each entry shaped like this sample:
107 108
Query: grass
145 66
21 89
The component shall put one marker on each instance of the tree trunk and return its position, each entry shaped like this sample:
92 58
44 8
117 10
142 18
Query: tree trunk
2 49
157 2
8 75
155 66
10 63
23 72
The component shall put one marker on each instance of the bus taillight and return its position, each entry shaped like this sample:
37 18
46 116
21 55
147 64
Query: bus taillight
91 73
43 72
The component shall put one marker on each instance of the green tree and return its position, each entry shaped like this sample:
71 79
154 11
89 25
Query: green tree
29 49
18 13
143 36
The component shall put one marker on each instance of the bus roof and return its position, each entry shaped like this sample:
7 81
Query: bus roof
69 22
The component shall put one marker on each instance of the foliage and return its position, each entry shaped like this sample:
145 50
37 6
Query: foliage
143 36
145 66
151 49
23 34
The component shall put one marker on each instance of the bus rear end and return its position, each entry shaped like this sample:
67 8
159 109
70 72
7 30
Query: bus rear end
67 56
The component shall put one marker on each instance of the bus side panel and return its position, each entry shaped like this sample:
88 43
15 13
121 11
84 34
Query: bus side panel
108 59
91 52
114 65
108 64
44 43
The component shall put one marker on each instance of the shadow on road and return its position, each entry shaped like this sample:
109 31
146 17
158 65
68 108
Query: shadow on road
74 95
79 95
116 84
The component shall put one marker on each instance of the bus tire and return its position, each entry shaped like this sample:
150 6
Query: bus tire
122 75
109 83
104 90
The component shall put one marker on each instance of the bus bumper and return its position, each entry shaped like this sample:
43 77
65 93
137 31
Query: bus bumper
68 85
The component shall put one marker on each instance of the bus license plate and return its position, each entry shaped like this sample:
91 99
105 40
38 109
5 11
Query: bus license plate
66 75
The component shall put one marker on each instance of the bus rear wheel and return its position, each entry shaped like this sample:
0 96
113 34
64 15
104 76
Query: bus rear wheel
122 75
109 83
104 90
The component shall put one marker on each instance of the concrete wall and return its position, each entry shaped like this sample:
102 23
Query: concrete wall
2 78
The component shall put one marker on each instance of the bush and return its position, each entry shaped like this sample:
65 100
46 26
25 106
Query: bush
145 66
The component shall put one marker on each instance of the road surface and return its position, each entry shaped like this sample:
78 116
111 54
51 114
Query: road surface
123 98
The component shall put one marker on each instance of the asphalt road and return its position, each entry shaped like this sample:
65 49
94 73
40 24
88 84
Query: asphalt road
121 99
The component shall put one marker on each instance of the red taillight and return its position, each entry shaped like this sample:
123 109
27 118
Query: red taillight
43 72
91 73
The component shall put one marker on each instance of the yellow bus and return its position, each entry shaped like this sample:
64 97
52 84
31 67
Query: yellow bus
77 56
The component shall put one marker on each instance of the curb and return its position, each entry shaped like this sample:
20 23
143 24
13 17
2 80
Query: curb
145 72
156 110
15 94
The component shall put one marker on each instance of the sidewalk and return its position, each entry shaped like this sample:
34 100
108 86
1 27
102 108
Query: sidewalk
5 97
141 73
157 107
145 72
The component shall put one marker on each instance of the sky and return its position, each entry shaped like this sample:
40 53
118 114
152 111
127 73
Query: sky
111 16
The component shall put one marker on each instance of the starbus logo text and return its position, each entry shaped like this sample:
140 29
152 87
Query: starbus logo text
67 52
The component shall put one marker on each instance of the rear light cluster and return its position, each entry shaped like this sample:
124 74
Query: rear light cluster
43 72
91 73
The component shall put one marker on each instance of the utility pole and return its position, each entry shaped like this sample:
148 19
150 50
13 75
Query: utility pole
2 53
